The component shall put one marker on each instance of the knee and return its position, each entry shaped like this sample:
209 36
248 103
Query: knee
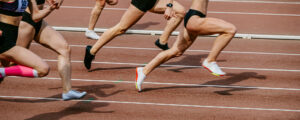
65 50
43 70
99 5
176 52
231 30
180 11
120 29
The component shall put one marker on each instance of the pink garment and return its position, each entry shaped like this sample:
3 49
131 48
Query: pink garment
19 70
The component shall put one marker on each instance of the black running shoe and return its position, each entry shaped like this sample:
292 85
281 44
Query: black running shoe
88 57
1 79
161 46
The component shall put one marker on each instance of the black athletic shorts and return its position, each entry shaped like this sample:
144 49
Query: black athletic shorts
9 36
37 25
143 5
39 2
191 13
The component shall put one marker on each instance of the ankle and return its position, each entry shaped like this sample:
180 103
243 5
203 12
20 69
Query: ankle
210 60
162 42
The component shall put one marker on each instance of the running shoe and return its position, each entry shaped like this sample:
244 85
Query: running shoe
161 46
2 75
88 57
140 77
213 68
73 94
91 34
1 79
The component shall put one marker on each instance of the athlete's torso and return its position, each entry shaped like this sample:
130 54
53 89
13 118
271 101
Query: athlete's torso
200 5
18 6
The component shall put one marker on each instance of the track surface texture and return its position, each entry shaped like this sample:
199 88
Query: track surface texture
263 81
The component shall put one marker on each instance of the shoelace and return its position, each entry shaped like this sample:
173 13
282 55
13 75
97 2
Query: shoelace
75 91
93 33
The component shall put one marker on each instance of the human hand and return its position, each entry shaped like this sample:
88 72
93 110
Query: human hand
169 13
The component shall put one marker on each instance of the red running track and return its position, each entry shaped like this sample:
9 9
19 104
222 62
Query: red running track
262 82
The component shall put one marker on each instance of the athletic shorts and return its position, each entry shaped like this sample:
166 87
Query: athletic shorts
28 19
40 2
191 13
143 5
9 36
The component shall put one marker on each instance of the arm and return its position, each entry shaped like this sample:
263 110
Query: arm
37 14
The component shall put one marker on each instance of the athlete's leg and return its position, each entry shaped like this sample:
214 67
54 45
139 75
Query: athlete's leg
23 56
183 42
130 17
207 26
90 33
26 34
100 4
172 23
50 38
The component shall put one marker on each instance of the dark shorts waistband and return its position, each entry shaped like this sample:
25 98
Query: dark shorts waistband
143 5
191 13
9 36
40 2
28 19
10 13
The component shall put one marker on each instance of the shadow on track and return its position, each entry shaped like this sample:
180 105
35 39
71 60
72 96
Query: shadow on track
79 107
235 78
90 89
194 60
114 68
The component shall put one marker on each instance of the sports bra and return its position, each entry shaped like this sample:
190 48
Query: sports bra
15 8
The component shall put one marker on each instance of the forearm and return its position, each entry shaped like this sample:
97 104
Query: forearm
37 14
41 14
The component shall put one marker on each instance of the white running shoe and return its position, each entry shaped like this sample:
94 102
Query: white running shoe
213 68
72 94
140 77
91 34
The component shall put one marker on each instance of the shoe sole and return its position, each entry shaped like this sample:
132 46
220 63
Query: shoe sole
91 38
215 74
136 78
73 98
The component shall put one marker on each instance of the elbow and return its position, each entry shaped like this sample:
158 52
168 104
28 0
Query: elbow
35 16
36 19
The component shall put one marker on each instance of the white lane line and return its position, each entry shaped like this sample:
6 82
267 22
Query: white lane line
215 12
185 66
246 13
172 84
157 104
206 51
265 2
176 33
